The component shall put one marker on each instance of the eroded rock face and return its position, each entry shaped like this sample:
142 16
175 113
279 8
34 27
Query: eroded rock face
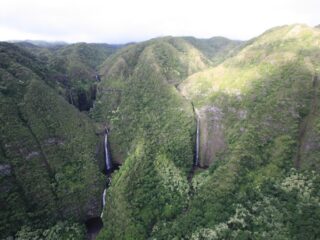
213 129
212 140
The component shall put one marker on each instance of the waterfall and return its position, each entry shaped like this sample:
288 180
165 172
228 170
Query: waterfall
107 153
108 167
103 201
196 163
104 197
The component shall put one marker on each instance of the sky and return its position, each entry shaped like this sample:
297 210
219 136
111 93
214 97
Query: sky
121 21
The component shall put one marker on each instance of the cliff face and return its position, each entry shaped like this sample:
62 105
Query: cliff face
48 169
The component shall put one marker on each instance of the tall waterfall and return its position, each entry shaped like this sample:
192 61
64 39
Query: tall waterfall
196 163
107 153
108 167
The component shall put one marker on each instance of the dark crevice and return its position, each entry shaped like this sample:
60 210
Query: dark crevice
93 226
115 166
79 93
81 98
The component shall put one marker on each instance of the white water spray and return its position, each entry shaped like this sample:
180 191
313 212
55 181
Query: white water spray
103 201
107 154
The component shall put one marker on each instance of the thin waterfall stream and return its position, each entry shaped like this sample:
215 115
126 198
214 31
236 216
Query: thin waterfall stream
103 201
107 152
196 157
109 168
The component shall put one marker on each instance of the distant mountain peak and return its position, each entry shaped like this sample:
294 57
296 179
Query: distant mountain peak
41 43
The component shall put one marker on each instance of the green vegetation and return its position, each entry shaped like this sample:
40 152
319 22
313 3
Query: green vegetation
47 158
74 68
258 107
61 230
151 133
265 99
216 49
78 65
244 96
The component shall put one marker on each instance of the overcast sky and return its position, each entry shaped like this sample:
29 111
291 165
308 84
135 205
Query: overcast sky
120 21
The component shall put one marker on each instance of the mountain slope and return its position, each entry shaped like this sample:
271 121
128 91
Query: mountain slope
79 63
216 49
255 111
48 166
262 105
151 133
257 106
264 58
74 66
168 61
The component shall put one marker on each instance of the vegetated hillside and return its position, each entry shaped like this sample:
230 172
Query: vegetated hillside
152 133
74 66
143 72
170 60
216 49
258 109
260 59
48 169
79 63
259 125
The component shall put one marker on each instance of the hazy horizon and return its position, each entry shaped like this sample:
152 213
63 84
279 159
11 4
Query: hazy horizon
122 21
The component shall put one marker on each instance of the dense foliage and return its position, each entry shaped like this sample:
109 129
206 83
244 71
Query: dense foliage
152 131
74 68
48 169
258 108
61 230
264 103
216 49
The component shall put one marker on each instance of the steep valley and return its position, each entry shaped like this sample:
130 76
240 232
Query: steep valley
242 117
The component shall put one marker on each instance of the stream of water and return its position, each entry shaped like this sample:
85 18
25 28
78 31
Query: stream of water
107 153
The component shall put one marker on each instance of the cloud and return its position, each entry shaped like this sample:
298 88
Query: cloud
120 21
